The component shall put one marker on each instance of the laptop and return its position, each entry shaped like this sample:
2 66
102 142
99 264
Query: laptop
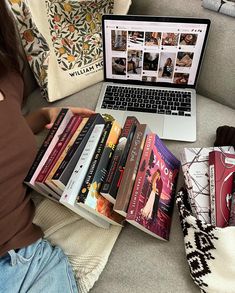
151 68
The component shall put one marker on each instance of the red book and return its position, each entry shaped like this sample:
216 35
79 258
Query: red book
57 150
152 200
221 167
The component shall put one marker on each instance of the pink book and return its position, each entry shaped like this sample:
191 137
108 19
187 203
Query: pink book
57 150
152 200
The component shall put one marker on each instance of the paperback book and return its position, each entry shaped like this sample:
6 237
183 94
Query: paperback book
222 167
131 168
64 171
48 144
152 200
114 176
94 202
195 166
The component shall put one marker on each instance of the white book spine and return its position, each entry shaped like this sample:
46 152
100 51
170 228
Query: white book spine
74 184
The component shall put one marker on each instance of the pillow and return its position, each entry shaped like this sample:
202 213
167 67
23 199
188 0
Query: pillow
209 250
63 43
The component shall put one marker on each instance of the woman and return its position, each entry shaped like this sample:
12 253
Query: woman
149 211
28 263
168 68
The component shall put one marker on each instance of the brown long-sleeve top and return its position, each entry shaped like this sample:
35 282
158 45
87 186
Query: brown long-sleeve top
17 151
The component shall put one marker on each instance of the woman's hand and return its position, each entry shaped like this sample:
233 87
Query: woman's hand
51 114
45 117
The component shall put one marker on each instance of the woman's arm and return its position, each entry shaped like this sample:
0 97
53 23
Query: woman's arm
45 117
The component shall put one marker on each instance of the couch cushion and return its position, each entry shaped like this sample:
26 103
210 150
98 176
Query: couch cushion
218 71
140 263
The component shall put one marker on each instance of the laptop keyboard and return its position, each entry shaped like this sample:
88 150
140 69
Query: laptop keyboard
160 101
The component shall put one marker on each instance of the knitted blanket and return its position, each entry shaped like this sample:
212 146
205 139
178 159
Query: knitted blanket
86 246
223 6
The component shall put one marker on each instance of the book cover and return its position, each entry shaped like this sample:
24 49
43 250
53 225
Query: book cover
129 175
56 152
95 161
71 190
113 179
152 200
47 146
62 156
222 167
94 201
195 166
67 166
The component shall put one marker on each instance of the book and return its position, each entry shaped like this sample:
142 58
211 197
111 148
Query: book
222 167
132 164
94 202
56 152
152 199
71 190
67 166
95 161
48 144
195 167
113 179
48 180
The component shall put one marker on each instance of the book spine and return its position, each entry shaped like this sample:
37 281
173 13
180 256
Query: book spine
62 156
94 163
74 152
54 141
101 170
63 140
133 208
132 163
46 143
75 182
110 185
117 178
212 187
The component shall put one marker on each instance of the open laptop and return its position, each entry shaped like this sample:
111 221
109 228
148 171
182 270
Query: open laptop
151 67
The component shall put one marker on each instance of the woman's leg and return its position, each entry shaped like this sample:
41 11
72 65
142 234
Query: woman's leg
39 267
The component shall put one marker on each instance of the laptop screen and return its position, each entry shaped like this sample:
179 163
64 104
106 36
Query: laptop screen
153 50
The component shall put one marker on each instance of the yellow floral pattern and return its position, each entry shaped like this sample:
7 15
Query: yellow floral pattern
35 46
75 28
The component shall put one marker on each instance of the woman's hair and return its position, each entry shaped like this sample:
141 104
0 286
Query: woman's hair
9 45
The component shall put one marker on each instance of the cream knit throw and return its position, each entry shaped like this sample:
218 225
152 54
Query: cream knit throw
86 246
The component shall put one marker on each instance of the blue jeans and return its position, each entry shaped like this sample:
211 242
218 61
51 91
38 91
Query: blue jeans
36 268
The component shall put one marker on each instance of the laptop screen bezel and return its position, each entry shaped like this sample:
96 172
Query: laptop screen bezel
155 19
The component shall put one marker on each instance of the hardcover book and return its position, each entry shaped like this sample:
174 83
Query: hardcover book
94 202
222 167
56 152
67 166
152 199
47 146
195 166
71 190
110 187
132 164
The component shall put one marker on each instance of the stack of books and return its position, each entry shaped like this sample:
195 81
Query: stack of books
208 174
107 173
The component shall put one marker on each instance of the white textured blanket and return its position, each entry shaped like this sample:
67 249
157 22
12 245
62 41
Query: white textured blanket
87 246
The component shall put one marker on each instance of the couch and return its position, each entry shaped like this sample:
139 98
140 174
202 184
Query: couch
140 263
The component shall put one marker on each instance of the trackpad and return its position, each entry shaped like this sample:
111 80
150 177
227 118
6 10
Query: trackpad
155 122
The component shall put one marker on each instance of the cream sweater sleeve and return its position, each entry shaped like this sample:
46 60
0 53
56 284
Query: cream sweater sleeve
87 246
